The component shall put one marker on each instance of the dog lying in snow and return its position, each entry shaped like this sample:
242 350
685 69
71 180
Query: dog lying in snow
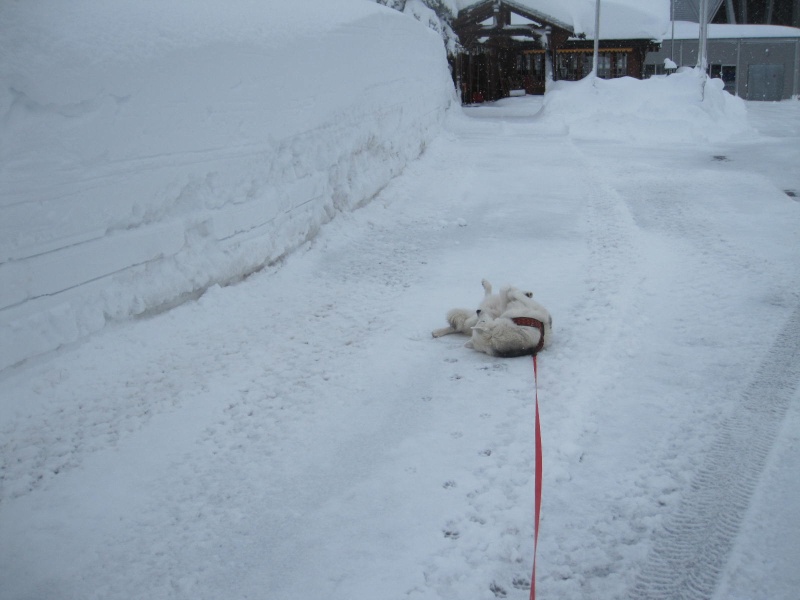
522 329
508 324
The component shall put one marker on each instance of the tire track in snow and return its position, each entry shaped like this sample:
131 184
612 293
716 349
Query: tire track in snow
688 558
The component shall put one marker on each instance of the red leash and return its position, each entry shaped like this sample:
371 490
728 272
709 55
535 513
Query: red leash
538 479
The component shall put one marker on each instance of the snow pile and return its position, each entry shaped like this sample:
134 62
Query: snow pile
151 150
683 107
436 18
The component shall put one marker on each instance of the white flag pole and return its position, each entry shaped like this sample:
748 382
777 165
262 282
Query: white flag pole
702 54
596 55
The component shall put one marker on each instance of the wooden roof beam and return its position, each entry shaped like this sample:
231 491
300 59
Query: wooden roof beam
485 30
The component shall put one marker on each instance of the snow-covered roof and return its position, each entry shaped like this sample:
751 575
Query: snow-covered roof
685 30
619 19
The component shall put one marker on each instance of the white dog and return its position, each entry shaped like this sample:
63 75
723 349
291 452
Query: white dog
522 329
462 320
507 324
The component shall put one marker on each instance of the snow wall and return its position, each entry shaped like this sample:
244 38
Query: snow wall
149 150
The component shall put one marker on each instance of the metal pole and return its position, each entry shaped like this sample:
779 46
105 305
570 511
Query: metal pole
596 38
702 55
738 66
796 90
730 12
672 19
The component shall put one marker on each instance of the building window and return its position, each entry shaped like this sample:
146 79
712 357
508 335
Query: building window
620 64
537 68
531 64
725 72
574 65
604 65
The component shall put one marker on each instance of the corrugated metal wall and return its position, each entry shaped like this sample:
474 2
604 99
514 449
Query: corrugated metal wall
766 68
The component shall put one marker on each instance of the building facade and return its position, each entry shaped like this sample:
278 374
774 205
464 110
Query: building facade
756 62
510 48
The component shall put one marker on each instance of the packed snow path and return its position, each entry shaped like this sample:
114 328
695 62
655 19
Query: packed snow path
300 435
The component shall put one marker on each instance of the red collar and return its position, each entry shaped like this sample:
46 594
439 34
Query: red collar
531 322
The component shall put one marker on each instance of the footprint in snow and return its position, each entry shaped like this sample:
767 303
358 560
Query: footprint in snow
451 534
521 583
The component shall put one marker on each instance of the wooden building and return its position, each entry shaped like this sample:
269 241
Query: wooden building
510 47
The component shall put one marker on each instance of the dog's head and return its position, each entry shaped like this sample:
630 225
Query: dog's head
482 332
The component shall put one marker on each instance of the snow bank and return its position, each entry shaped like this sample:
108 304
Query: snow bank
151 150
683 107
423 13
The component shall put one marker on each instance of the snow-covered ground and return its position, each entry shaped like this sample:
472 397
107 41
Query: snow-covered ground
299 434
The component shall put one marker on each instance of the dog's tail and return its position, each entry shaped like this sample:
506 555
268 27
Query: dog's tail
462 319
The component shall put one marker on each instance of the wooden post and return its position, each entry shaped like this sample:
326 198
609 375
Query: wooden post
549 61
